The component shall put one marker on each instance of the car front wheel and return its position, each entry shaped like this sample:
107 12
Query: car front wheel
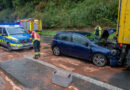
99 60
9 47
56 51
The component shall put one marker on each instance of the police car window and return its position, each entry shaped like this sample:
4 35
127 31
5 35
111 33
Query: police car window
0 31
16 30
79 39
65 37
4 31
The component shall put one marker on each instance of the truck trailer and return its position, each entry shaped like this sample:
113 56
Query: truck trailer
123 31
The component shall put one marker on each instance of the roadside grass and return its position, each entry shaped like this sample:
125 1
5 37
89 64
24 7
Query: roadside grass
52 32
48 32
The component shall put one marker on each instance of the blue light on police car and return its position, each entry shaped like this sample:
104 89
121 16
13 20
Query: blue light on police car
8 25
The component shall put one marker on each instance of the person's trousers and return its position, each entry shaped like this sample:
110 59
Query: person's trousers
36 44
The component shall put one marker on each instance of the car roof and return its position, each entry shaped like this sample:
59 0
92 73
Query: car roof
78 32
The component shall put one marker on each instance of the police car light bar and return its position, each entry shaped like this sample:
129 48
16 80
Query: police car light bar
7 25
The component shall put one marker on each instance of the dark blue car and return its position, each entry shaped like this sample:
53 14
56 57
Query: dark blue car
83 45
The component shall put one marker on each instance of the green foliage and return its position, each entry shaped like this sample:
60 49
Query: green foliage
63 13
87 12
48 32
17 4
6 16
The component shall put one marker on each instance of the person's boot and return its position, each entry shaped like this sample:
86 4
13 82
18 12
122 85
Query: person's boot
38 55
35 57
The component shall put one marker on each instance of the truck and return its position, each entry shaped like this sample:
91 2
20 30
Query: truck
123 31
121 42
30 24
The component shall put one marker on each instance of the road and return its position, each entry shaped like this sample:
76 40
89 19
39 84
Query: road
116 76
111 75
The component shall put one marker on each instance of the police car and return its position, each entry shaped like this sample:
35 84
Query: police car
14 37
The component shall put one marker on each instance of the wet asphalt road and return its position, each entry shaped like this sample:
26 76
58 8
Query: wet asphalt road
120 79
26 74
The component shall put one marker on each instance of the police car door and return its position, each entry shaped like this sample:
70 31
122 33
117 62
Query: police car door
0 35
4 35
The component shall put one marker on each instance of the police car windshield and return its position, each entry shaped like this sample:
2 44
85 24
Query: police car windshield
15 30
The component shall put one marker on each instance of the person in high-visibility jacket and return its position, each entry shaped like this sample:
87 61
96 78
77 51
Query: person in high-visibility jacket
98 31
36 44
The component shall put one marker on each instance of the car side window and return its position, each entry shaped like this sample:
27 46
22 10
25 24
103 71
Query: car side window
0 31
4 32
79 39
64 37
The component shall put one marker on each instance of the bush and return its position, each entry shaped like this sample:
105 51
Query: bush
64 13
87 12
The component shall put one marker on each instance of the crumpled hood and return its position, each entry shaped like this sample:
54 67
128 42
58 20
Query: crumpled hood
21 36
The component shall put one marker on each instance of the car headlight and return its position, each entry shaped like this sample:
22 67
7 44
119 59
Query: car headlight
113 52
14 40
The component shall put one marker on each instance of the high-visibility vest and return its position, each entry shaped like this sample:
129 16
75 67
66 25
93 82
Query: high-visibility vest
36 36
98 31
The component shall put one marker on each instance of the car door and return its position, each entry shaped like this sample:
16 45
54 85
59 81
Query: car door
1 37
64 42
80 47
4 36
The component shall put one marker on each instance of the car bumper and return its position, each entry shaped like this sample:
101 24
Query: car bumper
22 46
114 61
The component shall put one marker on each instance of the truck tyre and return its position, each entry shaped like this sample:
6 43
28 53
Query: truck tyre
99 60
9 47
56 51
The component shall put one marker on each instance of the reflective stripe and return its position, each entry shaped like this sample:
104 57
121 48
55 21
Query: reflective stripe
9 37
17 45
127 39
36 53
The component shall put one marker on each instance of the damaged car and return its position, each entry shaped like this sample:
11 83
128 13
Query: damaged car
87 46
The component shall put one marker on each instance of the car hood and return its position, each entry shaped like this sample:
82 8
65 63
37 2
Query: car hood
21 36
100 48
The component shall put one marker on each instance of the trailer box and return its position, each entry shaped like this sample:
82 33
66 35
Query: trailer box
123 25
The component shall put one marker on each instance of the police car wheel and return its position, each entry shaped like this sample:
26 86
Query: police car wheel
56 51
9 47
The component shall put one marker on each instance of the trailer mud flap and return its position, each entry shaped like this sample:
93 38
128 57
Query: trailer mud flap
128 58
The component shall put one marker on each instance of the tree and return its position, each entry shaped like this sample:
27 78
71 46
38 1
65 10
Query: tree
18 3
7 3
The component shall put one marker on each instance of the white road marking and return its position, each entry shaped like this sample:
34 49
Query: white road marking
86 78
11 82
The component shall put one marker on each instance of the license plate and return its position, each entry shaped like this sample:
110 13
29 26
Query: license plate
26 44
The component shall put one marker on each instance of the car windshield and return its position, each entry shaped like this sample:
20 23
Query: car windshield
92 38
16 30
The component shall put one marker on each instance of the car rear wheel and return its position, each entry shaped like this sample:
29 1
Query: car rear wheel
9 47
56 51
99 60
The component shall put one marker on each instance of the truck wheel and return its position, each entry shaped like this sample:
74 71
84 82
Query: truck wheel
56 51
99 60
9 47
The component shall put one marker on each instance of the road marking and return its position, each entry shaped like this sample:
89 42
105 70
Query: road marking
86 78
12 83
73 88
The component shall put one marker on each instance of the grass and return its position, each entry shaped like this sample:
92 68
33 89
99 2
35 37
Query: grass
49 32
52 32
